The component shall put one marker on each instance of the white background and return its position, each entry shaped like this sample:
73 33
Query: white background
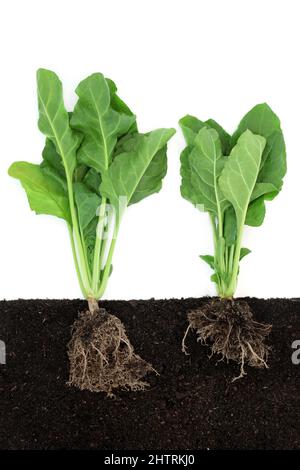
211 58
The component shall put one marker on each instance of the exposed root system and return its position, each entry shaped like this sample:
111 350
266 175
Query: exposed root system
228 327
101 356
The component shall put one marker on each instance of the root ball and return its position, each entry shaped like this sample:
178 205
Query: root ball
228 327
101 356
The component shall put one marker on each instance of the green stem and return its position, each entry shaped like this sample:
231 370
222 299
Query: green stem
102 252
106 272
82 261
220 255
98 243
86 256
220 223
104 243
226 258
76 261
213 223
231 254
236 262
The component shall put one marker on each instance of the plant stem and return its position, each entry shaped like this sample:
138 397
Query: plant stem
86 257
226 258
82 261
98 243
236 261
213 223
102 253
220 255
231 254
93 305
76 261
106 272
104 242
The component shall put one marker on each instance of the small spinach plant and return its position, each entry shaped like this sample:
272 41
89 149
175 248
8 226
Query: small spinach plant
95 164
230 178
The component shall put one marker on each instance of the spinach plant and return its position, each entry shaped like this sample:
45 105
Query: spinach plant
95 164
230 178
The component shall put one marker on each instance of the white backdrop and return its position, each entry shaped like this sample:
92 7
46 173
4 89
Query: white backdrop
210 58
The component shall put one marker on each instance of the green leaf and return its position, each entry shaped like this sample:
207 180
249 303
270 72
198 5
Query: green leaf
54 119
128 143
52 164
54 175
45 194
110 270
240 172
89 239
215 278
87 203
210 260
186 188
118 105
92 180
256 212
202 162
206 165
79 173
124 178
260 120
273 168
151 181
263 121
244 252
191 126
262 189
225 138
100 124
230 228
52 158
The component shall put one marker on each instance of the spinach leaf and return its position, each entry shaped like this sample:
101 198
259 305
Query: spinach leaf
54 119
263 121
45 194
240 172
100 124
137 173
206 164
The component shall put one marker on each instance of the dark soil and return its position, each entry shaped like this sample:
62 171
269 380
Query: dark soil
192 404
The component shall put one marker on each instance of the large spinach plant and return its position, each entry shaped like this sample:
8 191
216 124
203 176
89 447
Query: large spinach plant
95 164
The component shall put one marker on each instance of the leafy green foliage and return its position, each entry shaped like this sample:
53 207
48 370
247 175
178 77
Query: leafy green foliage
100 124
93 157
45 194
240 172
231 177
206 164
136 174
54 119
